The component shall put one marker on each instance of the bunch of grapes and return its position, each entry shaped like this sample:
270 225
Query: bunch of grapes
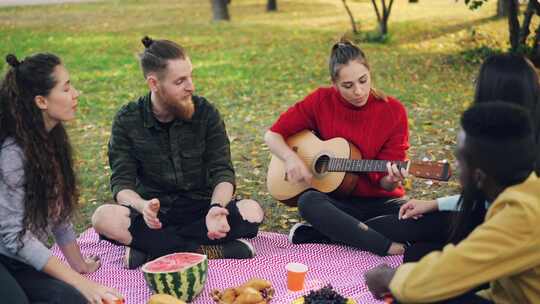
325 295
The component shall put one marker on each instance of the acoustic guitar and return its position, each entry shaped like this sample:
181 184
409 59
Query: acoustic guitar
334 164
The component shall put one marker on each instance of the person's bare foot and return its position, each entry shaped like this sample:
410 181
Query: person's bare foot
396 249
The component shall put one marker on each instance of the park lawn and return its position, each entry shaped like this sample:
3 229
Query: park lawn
253 68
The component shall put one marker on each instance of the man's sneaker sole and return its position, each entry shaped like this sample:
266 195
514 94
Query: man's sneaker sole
293 230
125 260
249 245
129 260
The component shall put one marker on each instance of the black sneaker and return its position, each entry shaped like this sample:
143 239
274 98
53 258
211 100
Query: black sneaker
304 233
134 258
237 249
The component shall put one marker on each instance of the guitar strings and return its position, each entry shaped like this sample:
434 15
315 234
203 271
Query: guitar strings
311 158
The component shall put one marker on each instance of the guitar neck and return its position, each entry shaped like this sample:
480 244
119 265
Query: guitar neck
361 165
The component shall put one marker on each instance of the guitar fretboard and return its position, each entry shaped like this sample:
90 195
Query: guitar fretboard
360 165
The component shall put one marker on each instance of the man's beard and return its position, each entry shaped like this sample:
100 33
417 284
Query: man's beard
183 109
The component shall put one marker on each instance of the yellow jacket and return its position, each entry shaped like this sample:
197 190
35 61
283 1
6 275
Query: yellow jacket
504 251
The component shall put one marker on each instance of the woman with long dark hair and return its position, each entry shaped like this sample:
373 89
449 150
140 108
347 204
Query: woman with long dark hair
509 78
38 192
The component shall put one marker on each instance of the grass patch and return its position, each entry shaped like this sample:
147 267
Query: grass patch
253 68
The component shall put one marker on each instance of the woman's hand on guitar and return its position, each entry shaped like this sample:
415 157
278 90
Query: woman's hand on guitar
394 178
395 174
297 170
415 209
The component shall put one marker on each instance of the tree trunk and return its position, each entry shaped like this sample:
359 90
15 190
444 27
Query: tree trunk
383 27
385 16
535 53
527 17
220 10
271 6
382 19
513 24
502 8
353 23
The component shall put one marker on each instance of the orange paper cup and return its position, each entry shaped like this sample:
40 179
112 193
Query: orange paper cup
296 274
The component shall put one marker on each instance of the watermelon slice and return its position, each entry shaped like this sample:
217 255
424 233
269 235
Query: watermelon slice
181 275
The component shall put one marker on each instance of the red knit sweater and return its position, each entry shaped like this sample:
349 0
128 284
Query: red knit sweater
379 129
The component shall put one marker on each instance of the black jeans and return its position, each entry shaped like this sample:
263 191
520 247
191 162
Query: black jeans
184 230
468 298
22 284
426 234
348 221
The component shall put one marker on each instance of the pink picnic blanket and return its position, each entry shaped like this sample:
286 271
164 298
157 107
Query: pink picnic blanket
340 266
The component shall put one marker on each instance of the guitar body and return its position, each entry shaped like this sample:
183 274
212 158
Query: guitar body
310 149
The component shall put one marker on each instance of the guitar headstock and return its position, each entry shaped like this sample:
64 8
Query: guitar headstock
431 170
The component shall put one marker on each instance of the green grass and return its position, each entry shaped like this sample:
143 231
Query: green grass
253 68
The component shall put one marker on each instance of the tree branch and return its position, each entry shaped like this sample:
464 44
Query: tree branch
513 24
384 9
353 23
390 9
376 10
536 7
525 31
535 56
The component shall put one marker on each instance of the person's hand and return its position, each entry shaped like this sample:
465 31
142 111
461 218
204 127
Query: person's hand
296 170
91 264
394 178
395 174
150 212
96 293
378 280
415 209
216 223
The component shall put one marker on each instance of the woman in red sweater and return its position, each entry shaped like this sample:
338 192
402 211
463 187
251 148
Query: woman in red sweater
376 124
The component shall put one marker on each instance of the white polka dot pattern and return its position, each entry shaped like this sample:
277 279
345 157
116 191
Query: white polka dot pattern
341 266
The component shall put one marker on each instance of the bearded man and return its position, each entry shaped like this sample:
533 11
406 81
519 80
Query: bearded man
172 174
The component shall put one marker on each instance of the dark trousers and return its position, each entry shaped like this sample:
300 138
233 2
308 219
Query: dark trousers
348 221
426 234
468 298
184 231
22 284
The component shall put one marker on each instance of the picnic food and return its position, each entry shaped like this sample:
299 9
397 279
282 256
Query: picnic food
115 301
388 299
164 299
302 301
182 275
254 291
326 295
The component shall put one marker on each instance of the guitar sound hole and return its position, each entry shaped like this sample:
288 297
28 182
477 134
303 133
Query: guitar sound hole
321 165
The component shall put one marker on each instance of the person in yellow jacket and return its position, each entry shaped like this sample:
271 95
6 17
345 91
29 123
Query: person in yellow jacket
495 153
